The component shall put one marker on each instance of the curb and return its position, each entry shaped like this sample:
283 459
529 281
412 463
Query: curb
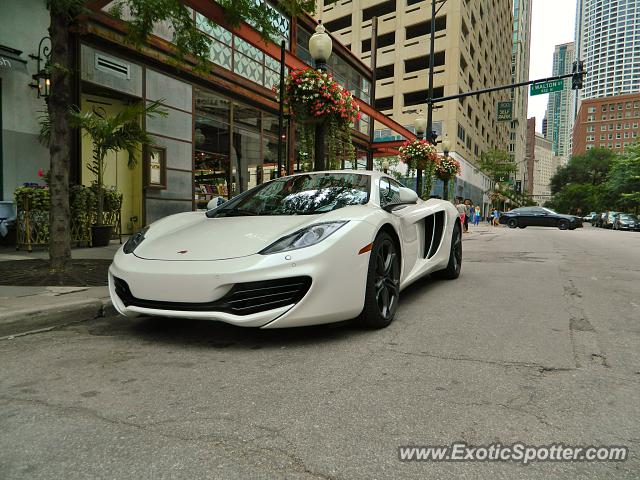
28 320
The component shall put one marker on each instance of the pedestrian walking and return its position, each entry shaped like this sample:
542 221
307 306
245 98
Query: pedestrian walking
476 217
461 209
467 212
496 217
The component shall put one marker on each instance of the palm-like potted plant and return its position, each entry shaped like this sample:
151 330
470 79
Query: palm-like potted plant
122 131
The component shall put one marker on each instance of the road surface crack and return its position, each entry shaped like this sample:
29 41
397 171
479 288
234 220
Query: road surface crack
230 445
500 363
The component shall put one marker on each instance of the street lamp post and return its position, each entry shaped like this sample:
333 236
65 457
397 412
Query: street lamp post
320 47
281 135
420 124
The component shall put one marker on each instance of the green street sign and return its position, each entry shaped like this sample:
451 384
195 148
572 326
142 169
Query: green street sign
547 87
505 111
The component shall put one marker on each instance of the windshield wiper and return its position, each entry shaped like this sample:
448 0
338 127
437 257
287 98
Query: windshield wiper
235 212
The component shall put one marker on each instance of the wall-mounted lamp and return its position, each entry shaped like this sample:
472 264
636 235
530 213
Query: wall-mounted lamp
42 77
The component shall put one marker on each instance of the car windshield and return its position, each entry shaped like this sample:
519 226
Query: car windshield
299 195
628 217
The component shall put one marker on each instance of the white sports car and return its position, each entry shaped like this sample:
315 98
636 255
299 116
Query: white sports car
299 250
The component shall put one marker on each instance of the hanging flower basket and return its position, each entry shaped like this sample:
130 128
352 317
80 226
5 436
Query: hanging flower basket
313 97
420 154
447 168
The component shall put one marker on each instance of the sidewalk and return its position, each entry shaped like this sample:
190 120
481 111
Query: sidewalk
25 309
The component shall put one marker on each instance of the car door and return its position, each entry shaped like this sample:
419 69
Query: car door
538 217
525 216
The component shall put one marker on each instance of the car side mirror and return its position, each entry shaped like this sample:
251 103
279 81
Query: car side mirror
215 202
407 195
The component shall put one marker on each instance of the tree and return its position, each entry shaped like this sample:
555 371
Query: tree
144 14
585 196
581 183
497 165
589 168
623 182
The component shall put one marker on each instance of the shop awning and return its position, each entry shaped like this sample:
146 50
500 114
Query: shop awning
10 60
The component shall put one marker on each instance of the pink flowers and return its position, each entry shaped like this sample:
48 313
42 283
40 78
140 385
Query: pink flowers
314 94
418 154
447 168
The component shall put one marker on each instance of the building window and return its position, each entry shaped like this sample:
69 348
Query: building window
461 132
383 41
378 10
385 103
422 63
338 23
386 71
420 97
424 28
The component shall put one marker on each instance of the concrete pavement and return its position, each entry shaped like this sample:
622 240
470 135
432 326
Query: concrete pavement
27 309
538 341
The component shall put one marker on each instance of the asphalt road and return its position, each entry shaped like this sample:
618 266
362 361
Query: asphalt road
538 341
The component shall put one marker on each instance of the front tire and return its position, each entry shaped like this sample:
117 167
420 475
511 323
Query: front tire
455 257
563 224
383 283
512 223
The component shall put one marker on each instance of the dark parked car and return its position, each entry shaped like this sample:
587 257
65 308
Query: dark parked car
626 221
608 218
539 217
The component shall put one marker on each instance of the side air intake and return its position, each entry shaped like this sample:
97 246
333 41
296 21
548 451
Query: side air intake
433 230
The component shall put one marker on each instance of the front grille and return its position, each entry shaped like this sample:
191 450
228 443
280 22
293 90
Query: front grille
242 299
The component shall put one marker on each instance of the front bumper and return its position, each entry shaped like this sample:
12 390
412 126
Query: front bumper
183 289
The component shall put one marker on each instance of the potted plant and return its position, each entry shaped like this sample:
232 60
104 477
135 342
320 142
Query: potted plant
122 131
313 96
447 169
420 154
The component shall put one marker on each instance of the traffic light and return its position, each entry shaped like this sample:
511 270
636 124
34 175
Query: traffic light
578 75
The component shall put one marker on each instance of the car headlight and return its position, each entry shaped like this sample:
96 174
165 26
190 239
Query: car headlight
134 240
304 238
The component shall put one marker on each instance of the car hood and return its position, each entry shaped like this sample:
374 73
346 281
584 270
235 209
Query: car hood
193 236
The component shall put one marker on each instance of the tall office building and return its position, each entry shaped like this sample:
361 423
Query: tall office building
473 49
545 165
520 73
607 38
560 113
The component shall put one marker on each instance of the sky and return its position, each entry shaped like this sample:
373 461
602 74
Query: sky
552 23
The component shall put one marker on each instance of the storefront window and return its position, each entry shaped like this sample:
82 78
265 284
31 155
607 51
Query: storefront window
270 147
212 173
246 158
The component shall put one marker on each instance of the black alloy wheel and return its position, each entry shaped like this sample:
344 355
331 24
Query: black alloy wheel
455 257
383 283
512 223
563 224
